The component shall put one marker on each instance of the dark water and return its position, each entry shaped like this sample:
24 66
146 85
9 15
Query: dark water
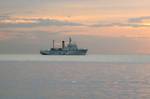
74 80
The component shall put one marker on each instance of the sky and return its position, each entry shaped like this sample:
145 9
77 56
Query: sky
102 26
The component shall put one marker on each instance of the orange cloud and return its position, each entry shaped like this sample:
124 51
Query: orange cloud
104 28
5 36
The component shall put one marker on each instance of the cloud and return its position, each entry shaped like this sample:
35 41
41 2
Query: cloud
28 34
108 24
139 19
56 22
4 17
12 22
113 24
131 22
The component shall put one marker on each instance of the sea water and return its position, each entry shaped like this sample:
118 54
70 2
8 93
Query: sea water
75 77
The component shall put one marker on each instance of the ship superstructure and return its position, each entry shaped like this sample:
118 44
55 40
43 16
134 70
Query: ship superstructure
70 49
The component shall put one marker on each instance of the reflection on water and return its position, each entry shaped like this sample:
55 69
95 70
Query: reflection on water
79 58
74 80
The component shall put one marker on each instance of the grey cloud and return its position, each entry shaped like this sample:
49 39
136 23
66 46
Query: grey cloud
131 22
29 34
138 19
107 24
120 25
4 17
111 24
56 22
35 23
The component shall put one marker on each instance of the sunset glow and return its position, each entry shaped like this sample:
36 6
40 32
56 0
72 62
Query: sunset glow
38 20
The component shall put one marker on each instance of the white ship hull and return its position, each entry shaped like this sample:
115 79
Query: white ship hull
63 52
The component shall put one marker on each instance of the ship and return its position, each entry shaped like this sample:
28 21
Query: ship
70 49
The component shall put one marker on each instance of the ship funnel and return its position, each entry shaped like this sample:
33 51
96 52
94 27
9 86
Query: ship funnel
63 44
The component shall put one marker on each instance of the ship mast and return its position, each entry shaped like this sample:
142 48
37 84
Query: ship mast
53 44
70 40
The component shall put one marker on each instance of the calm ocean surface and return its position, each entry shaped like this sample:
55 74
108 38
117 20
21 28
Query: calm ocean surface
75 77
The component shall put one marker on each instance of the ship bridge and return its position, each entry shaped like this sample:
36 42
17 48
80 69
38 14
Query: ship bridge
71 47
